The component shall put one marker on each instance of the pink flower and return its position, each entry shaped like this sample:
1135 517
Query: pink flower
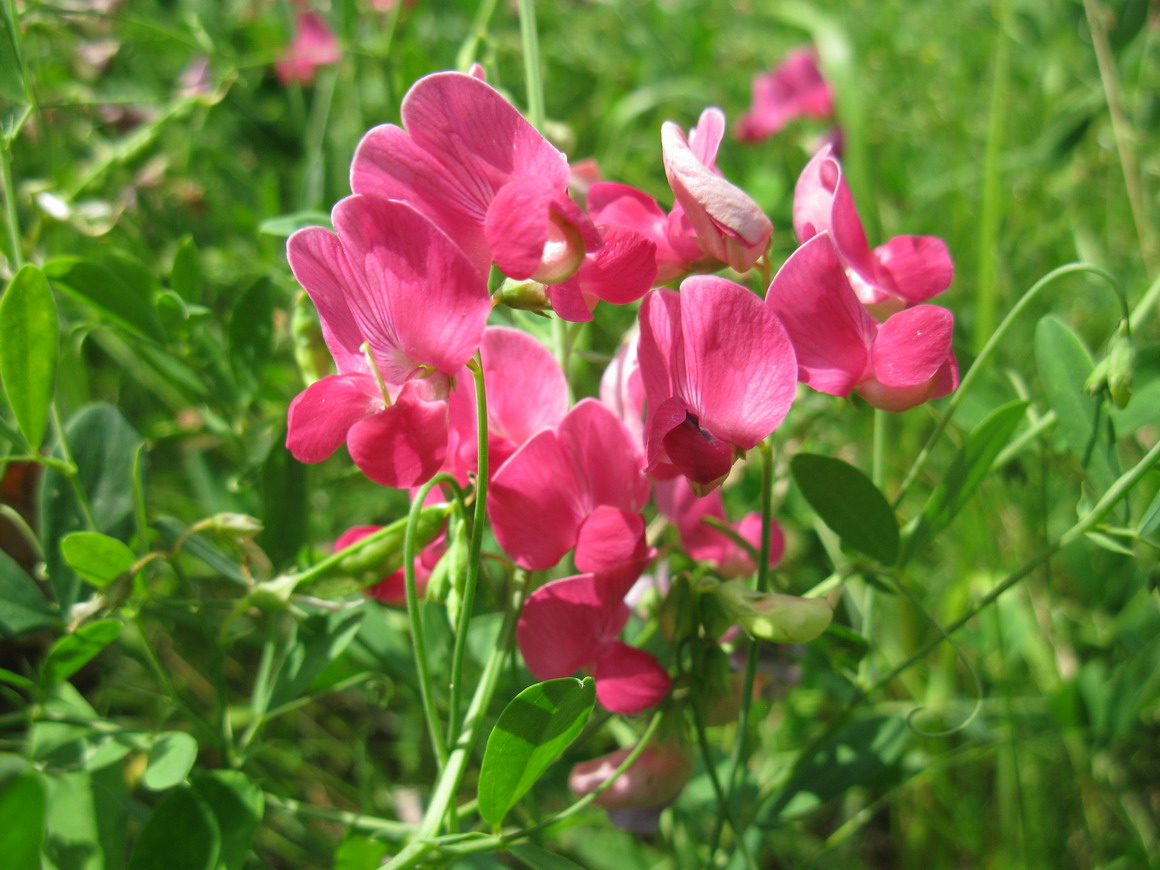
794 89
677 248
654 780
841 348
314 45
704 543
905 271
621 271
398 302
469 161
622 390
573 623
526 392
578 484
728 224
392 589
719 373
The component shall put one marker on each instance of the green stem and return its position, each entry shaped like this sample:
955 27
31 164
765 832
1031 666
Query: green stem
388 829
984 355
1145 305
314 180
73 474
452 774
418 635
469 49
532 75
479 521
12 218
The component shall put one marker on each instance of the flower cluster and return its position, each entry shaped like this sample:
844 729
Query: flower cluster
464 187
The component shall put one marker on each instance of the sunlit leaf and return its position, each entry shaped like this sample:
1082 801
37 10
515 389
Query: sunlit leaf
97 558
22 814
288 224
28 345
539 724
170 760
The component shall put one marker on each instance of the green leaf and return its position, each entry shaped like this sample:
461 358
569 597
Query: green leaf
284 508
848 503
73 651
97 558
237 804
23 608
171 759
288 224
250 335
186 277
775 617
120 288
22 814
13 90
103 445
532 731
1064 366
1151 520
358 852
971 464
28 341
181 834
541 859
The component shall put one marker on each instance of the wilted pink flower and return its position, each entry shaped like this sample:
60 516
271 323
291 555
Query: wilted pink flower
578 484
719 375
841 348
905 271
398 302
392 589
470 162
704 543
728 223
794 89
314 45
573 623
654 780
526 392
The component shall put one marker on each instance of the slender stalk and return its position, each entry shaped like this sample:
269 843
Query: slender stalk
1144 307
73 474
468 51
1125 147
388 829
418 635
452 774
11 217
532 76
478 523
315 178
984 355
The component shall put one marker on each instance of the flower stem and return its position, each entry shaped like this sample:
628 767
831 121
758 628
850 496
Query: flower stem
479 519
532 76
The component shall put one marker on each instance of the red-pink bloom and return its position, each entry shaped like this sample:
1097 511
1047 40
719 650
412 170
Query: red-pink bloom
392 589
314 45
677 249
391 288
841 348
621 271
728 223
905 271
526 392
654 779
622 390
794 89
470 162
704 543
719 375
578 484
573 623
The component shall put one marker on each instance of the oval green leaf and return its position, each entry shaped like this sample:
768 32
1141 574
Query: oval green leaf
182 834
98 558
171 759
848 503
28 344
237 804
22 814
539 724
73 651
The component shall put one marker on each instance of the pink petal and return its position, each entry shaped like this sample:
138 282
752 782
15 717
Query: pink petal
565 624
536 504
603 458
830 329
526 390
728 223
795 88
918 267
314 45
624 268
913 345
570 302
697 454
622 390
403 445
822 202
705 138
629 680
655 778
536 232
321 415
612 204
739 367
423 302
608 538
320 266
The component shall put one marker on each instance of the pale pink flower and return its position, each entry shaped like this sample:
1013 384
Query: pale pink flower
654 779
841 348
719 376
314 45
398 302
729 225
795 88
905 271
